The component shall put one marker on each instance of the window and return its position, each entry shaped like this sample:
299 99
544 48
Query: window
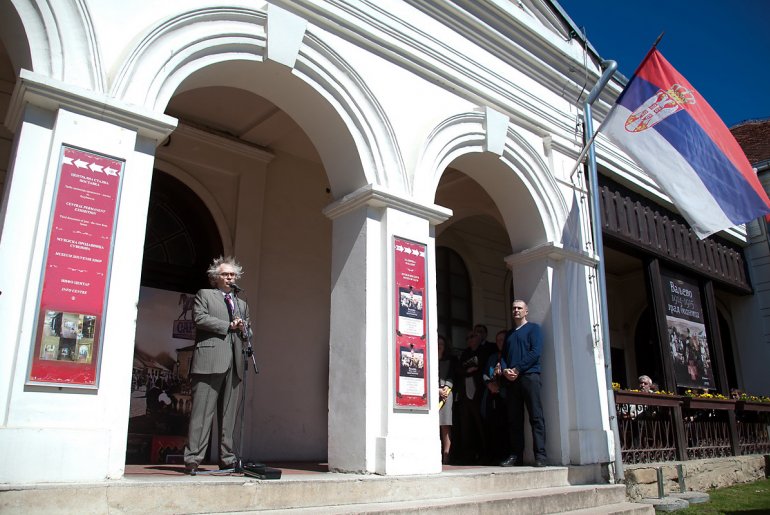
181 238
453 288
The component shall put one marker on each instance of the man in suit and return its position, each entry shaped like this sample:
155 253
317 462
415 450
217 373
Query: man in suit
221 324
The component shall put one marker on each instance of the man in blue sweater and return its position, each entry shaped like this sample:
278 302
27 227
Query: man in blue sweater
520 368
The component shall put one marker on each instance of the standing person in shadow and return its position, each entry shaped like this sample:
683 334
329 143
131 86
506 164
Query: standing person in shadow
447 371
221 323
493 408
471 426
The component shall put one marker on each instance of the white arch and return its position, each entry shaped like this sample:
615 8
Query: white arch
465 134
329 101
206 197
55 39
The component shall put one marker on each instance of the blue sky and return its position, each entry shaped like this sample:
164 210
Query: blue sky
720 46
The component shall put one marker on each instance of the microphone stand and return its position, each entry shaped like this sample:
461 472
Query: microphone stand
248 352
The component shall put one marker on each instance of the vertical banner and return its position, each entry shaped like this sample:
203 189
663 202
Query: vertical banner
411 325
67 347
687 333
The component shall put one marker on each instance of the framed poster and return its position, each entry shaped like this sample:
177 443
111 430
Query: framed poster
411 325
69 322
686 328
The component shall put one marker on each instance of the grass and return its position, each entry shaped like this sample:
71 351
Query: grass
745 499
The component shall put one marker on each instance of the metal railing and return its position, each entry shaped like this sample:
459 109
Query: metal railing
658 427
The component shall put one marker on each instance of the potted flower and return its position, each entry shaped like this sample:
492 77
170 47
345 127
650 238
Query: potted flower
707 400
746 402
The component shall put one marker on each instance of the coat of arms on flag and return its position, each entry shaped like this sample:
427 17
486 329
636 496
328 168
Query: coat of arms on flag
659 107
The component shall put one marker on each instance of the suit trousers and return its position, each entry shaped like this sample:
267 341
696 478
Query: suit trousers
213 393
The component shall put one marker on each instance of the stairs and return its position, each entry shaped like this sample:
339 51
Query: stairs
521 490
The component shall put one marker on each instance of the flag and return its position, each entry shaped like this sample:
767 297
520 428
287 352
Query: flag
664 124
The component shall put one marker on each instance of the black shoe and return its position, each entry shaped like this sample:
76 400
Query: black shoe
510 461
228 466
540 463
191 469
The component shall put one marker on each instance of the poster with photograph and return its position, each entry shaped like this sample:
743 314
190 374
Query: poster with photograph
412 371
161 386
68 337
687 338
411 325
66 349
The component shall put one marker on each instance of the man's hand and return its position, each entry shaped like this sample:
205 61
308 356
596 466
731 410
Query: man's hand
236 324
510 374
493 387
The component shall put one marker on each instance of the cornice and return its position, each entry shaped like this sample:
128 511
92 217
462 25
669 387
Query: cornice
232 145
50 94
550 61
553 251
375 196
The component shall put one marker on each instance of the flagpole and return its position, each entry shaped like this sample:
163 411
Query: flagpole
594 195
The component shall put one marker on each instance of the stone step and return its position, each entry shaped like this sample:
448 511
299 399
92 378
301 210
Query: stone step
600 499
477 490
623 508
212 493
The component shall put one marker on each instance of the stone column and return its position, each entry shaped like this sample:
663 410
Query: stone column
85 430
554 281
366 433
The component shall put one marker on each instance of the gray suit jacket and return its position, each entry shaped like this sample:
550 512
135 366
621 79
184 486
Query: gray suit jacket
216 349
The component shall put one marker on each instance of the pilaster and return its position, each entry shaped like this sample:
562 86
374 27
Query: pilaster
85 430
367 433
555 281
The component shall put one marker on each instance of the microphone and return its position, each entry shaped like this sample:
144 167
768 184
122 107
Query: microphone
235 288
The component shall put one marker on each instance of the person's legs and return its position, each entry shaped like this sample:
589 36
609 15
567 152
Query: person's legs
229 408
446 442
515 409
530 384
205 389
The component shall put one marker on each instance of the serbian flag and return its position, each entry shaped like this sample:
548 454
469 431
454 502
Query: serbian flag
664 124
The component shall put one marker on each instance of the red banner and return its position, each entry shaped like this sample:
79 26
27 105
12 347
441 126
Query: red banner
77 265
411 325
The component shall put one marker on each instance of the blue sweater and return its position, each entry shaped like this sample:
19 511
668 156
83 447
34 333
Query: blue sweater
522 348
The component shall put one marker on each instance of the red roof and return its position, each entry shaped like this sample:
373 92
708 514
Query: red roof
754 137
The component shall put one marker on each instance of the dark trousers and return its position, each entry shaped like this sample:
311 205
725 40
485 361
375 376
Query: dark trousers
472 437
495 415
525 391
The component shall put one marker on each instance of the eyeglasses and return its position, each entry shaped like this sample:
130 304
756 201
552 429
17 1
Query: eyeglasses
227 274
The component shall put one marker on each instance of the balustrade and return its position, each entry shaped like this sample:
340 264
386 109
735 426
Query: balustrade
647 426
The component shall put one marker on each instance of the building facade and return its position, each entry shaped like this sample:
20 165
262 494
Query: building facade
306 137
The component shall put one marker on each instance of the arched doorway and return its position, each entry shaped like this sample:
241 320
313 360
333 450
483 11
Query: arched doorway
181 239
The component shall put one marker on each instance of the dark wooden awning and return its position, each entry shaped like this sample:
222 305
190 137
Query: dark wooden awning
636 221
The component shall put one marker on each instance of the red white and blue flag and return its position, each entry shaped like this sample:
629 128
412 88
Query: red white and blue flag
664 124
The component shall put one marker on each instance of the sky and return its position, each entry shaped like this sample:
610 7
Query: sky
720 46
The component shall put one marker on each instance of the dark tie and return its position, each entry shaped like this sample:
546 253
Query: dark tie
230 305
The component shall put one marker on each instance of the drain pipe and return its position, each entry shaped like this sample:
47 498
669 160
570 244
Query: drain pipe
593 193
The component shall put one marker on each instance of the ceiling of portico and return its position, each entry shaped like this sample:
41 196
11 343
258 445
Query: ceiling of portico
243 115
264 104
